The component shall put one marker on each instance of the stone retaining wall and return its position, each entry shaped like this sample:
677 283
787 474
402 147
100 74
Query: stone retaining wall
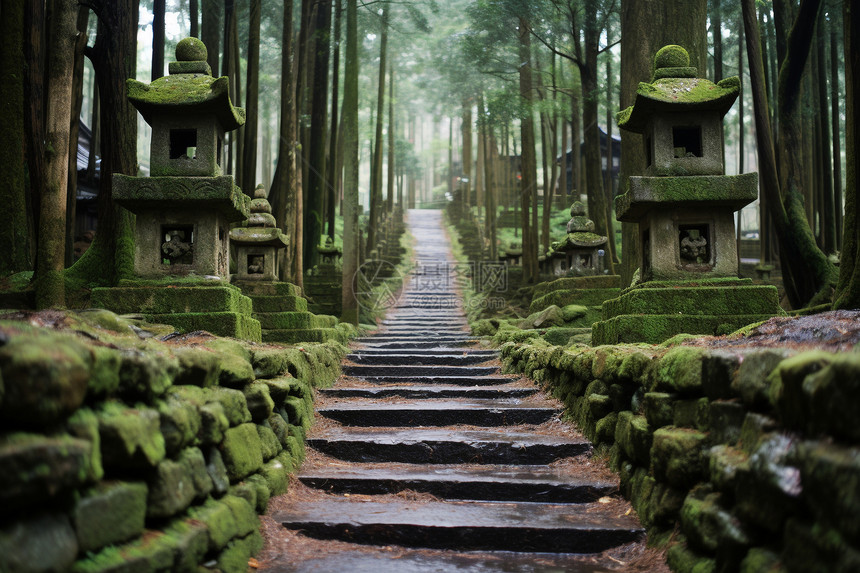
128 454
740 459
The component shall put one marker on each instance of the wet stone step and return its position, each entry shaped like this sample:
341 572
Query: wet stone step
492 483
406 359
433 352
362 370
379 344
437 413
512 526
441 446
437 391
450 380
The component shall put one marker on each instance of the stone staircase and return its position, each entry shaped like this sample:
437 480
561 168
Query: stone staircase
484 476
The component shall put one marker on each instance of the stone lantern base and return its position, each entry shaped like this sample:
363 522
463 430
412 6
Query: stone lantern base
186 304
284 317
655 311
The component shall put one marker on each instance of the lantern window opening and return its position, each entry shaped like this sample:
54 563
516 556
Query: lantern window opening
694 242
183 143
256 264
177 247
687 141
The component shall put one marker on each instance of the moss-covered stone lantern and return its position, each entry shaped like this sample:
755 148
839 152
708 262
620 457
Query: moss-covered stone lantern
581 246
684 206
258 241
184 209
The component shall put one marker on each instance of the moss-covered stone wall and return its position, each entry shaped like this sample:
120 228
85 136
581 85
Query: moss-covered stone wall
122 453
740 460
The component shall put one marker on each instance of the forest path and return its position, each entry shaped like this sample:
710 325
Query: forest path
424 457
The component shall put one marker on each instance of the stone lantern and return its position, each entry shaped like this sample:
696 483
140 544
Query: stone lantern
184 209
581 246
257 242
684 206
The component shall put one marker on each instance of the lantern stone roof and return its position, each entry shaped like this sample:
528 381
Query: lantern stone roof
675 88
260 228
190 87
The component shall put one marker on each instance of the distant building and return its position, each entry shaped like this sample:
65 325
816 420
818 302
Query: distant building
616 160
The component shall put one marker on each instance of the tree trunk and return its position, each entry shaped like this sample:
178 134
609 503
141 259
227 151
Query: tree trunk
313 211
248 176
111 255
334 160
50 286
74 130
14 218
645 28
609 192
848 287
194 17
717 34
283 194
351 239
391 141
741 150
376 172
210 32
828 208
529 162
466 130
158 8
34 111
837 136
807 274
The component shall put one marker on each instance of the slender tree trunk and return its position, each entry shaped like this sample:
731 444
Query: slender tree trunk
111 255
837 136
283 191
335 142
158 8
248 175
717 33
376 173
609 191
210 32
529 161
466 130
50 285
741 130
351 238
807 274
575 142
34 111
227 70
829 229
14 217
74 130
194 17
848 287
316 173
391 141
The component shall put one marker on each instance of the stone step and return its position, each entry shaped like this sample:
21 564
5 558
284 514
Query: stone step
425 322
478 412
415 359
409 371
513 526
435 391
441 446
449 380
489 352
491 483
380 344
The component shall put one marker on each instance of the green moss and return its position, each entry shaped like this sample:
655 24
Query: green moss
242 451
671 56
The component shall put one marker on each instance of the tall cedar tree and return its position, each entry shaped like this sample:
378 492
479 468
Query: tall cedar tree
113 56
313 211
14 221
848 288
528 182
350 167
808 276
376 168
248 175
334 160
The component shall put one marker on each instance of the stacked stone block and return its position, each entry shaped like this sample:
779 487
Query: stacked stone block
131 454
739 460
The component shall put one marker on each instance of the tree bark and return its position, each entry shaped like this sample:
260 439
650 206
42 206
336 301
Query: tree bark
210 32
14 218
194 17
334 160
349 303
313 211
528 183
376 173
50 286
848 287
248 176
391 141
74 130
828 208
807 274
158 8
717 34
837 136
